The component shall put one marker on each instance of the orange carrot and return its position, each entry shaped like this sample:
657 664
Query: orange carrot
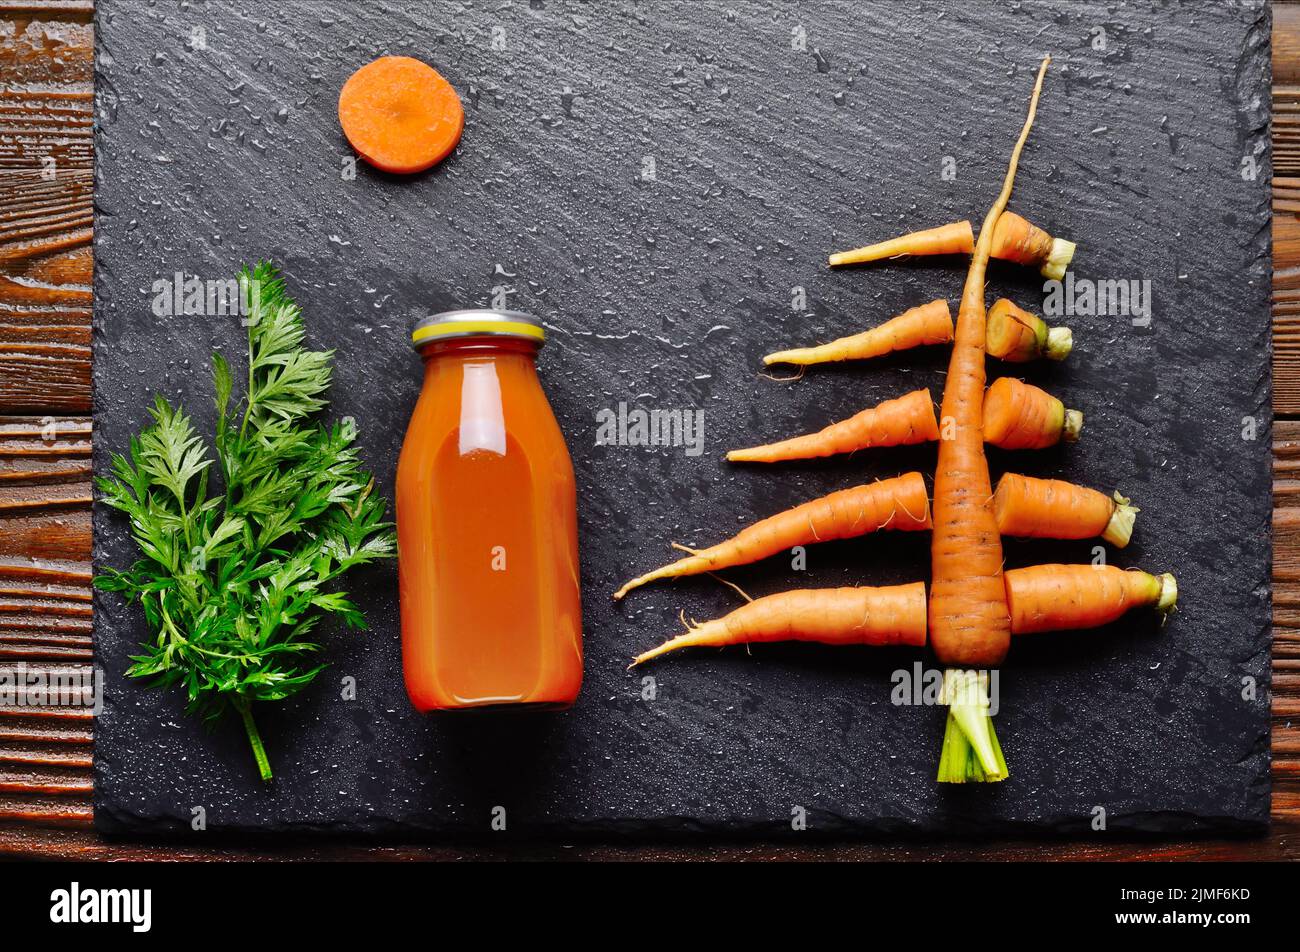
892 615
1017 336
898 503
927 324
1020 416
953 239
1053 509
1058 597
969 621
400 114
900 422
1015 239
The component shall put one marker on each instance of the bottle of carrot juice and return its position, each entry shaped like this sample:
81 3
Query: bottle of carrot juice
486 523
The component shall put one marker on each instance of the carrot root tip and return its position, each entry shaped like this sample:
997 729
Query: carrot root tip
783 357
1073 425
1058 259
1120 528
1060 341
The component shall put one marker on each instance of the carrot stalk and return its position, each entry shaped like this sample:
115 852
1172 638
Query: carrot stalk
1020 416
1054 509
970 625
1015 239
958 761
927 324
1015 335
1061 597
899 503
952 239
903 421
890 615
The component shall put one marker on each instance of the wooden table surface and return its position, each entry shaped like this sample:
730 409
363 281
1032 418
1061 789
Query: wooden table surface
46 178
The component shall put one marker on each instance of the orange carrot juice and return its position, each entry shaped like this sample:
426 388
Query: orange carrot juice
486 524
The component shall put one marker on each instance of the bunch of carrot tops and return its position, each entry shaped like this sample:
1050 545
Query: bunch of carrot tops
973 607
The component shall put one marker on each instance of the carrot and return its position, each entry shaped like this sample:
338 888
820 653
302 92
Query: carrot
900 422
892 615
1015 239
400 114
1053 509
1058 597
898 503
1020 416
954 239
927 324
969 621
1017 336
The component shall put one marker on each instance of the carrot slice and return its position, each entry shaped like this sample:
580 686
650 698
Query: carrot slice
400 114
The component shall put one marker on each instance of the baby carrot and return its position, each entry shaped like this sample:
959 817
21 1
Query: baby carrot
900 422
1017 240
892 615
1015 335
898 503
969 622
400 114
927 324
954 239
1053 509
1020 416
1059 597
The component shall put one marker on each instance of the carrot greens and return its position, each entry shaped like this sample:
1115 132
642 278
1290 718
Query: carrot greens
233 582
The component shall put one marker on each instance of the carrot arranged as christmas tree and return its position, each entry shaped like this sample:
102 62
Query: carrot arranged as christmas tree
1059 597
893 615
900 503
928 324
974 607
899 422
969 622
956 238
1014 239
1054 509
1020 416
1016 336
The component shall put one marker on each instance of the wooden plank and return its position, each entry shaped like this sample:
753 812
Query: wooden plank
46 182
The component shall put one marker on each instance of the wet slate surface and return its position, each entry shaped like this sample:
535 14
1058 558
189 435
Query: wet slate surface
663 291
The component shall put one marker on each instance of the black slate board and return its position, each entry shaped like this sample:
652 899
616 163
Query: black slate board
665 293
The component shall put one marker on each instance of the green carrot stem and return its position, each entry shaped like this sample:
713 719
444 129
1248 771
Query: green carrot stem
255 739
971 752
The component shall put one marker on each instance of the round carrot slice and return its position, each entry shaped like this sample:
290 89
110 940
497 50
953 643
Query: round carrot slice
400 114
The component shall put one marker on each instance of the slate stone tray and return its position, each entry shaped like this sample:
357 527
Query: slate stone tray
775 133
